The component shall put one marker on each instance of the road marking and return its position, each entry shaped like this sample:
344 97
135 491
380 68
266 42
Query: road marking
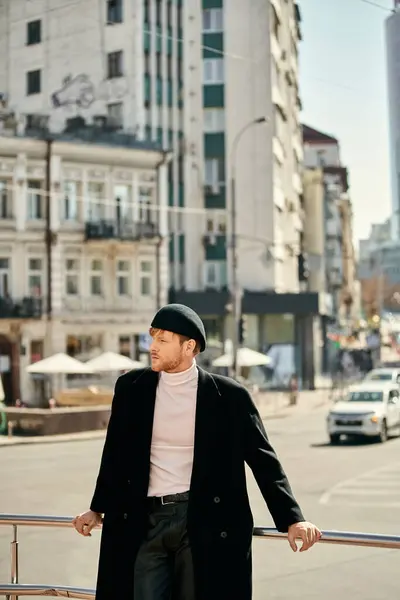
390 472
364 492
371 504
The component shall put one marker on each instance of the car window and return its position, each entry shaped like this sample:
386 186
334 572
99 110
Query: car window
380 377
365 396
398 379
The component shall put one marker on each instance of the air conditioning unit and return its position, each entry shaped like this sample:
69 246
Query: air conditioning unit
210 239
113 124
37 121
100 121
212 189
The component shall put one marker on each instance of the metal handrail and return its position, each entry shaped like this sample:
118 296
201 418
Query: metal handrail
14 590
376 540
46 590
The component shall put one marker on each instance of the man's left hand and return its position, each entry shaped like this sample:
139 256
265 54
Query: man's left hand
306 532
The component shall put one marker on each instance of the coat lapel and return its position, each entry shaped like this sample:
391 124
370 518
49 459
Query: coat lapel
205 426
144 399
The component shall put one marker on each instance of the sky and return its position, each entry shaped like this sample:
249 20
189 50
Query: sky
344 93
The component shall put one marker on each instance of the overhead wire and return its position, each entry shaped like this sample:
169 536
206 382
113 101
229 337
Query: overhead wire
372 3
211 49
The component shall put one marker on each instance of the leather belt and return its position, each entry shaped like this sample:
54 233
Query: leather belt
169 499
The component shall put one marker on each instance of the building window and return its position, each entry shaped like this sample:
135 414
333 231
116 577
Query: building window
158 12
145 200
211 171
70 201
33 32
4 277
115 113
146 11
146 276
114 61
96 278
96 201
214 120
35 276
33 82
123 203
5 201
275 23
169 13
35 200
213 71
213 20
123 278
215 274
114 11
71 277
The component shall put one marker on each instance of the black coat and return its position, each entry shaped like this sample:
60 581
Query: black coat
228 433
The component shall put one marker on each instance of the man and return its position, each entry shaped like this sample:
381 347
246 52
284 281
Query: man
172 487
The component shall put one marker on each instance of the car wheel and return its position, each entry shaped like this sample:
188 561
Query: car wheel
383 436
334 439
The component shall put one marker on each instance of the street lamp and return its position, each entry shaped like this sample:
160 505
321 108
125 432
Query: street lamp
235 292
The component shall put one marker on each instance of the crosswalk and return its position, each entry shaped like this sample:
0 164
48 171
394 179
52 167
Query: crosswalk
377 488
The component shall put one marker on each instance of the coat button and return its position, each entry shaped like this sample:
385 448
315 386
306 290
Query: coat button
129 482
125 515
217 499
224 535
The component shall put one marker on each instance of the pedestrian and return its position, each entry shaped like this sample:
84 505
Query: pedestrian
171 490
293 390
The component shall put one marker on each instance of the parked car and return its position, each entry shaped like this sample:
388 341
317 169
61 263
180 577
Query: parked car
384 374
370 409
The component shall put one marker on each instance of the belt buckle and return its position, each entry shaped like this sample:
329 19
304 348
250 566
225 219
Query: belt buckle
165 503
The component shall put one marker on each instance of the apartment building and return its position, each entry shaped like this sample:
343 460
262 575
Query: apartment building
379 270
252 134
392 39
330 244
84 248
121 65
344 301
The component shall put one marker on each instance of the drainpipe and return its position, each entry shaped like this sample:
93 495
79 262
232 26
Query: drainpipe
167 156
48 232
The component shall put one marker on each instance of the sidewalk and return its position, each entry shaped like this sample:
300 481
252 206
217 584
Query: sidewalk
271 405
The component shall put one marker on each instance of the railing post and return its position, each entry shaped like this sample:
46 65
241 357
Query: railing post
14 560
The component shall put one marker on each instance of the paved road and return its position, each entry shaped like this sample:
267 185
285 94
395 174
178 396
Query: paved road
353 487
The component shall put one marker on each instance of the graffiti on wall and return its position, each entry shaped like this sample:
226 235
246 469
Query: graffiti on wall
81 92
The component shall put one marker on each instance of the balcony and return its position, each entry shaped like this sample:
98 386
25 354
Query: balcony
24 308
109 229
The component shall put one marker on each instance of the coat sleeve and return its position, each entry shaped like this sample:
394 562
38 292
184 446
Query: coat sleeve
267 469
102 490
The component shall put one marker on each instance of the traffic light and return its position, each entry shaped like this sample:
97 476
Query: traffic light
242 329
303 270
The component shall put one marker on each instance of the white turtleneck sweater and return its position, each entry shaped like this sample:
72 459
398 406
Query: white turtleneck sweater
172 444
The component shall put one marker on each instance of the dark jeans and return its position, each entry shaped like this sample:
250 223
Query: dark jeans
164 568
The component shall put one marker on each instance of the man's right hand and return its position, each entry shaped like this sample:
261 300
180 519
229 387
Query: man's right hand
85 522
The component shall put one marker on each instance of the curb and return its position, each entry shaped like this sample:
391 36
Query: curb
85 436
53 439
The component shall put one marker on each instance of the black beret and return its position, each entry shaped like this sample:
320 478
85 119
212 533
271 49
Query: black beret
181 319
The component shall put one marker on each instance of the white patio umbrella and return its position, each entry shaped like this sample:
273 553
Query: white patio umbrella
245 358
61 364
110 361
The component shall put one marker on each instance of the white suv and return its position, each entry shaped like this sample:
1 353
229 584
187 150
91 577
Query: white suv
370 409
